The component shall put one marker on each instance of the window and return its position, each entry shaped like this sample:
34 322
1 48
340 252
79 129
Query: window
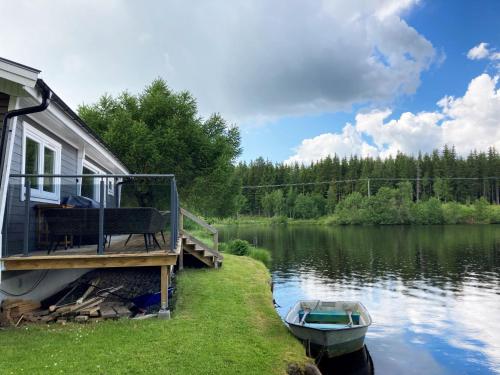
89 189
41 155
91 185
111 186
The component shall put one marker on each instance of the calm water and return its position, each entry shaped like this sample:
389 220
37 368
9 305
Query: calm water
433 292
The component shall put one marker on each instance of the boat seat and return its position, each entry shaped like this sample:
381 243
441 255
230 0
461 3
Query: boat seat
322 326
330 317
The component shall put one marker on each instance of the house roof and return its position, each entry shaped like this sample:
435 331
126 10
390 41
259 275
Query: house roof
75 118
19 65
17 79
14 77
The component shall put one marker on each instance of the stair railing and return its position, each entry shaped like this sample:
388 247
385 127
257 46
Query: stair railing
202 223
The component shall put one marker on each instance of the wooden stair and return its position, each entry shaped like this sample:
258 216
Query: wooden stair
209 256
201 251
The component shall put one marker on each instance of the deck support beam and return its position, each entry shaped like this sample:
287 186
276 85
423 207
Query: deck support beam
164 312
181 259
48 262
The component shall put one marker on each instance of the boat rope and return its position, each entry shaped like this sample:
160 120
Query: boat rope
318 359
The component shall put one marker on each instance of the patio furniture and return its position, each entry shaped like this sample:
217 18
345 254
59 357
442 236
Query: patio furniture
80 222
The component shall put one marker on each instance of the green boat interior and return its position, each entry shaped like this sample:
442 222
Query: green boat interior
332 317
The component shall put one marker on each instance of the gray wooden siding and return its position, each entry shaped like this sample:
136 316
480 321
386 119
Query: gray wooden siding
15 206
16 209
15 216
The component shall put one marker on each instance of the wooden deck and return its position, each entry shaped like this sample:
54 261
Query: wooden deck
134 254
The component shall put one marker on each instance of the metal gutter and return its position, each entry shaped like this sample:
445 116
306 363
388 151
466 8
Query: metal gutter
22 66
46 94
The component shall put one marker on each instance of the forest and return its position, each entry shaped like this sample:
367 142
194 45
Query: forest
400 190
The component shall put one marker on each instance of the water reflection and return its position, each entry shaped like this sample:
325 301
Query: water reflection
433 292
357 363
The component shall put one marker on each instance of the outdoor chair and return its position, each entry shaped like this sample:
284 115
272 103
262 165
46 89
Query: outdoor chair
78 222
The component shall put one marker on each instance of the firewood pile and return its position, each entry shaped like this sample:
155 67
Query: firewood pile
94 304
97 295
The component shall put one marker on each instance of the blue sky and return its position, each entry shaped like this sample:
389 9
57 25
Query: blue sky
453 27
301 79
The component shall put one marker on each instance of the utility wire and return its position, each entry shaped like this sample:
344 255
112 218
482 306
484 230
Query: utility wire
367 179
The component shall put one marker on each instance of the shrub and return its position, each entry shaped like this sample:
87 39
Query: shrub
382 207
427 212
482 211
261 255
224 247
239 247
495 214
279 220
456 213
305 207
351 210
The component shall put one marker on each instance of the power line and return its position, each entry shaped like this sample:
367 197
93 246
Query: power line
366 179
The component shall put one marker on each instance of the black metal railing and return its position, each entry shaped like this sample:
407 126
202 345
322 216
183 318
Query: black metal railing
139 191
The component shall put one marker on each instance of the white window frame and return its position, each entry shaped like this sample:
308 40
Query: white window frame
97 188
110 186
44 142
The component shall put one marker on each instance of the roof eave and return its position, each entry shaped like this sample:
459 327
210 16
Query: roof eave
77 120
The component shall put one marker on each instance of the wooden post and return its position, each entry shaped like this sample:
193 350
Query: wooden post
100 245
181 257
173 216
216 241
27 199
181 228
164 312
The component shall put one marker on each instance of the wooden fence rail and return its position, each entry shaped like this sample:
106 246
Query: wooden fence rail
202 223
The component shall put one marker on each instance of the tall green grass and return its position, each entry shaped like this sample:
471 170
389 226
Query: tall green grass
243 248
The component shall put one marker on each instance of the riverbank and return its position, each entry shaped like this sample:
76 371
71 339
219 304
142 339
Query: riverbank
224 323
357 212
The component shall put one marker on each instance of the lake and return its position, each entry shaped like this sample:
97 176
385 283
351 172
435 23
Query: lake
433 291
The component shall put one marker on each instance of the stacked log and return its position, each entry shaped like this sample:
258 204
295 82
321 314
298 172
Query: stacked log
92 306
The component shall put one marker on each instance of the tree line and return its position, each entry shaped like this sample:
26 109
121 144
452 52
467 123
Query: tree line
306 191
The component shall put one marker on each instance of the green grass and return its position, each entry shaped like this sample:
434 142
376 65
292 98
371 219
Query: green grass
224 323
260 220
202 235
261 254
478 212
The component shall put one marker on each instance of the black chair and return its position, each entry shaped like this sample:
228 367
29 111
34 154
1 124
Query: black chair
79 222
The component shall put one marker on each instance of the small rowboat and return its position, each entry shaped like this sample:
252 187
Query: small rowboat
336 327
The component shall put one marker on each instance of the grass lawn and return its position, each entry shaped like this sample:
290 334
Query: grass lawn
224 323
202 235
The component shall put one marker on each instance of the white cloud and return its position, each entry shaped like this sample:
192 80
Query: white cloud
473 121
468 122
482 51
247 60
478 52
348 142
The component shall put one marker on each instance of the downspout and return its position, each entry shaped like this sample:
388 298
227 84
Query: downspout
46 94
